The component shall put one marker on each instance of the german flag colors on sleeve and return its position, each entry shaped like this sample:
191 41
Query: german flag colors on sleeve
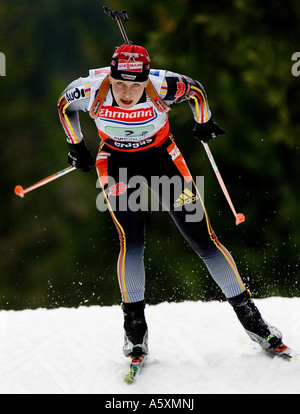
74 98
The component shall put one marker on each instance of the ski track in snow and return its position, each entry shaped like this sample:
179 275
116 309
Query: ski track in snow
195 348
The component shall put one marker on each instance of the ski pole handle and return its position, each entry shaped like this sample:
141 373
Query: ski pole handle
19 191
239 217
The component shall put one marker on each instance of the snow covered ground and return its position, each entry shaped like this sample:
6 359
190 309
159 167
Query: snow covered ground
196 348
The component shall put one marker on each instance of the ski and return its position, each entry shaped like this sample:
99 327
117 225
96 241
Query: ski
285 352
135 368
282 351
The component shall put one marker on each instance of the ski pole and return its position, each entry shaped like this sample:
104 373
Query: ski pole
118 16
19 191
239 217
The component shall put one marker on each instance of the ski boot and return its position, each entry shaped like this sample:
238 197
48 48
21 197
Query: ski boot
260 331
135 330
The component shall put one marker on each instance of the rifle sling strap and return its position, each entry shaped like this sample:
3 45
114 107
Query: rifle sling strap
103 91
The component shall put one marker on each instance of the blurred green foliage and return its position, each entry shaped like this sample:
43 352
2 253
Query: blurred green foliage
56 248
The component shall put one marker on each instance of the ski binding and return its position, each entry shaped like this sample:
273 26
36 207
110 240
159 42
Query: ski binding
134 369
285 352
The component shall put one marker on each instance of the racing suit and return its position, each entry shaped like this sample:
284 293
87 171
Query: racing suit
137 142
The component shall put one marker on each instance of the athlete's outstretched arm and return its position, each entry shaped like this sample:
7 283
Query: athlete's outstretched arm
74 98
181 88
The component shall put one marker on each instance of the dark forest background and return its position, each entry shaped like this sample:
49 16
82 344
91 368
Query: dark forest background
56 248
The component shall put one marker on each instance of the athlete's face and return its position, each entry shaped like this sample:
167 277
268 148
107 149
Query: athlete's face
127 93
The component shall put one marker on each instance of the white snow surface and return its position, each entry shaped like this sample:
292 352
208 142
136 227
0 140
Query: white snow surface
195 348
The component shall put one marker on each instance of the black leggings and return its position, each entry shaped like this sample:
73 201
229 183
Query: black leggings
163 169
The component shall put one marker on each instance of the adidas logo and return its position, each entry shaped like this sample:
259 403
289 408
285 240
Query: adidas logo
186 197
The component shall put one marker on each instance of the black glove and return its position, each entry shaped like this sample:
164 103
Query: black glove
80 157
208 131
